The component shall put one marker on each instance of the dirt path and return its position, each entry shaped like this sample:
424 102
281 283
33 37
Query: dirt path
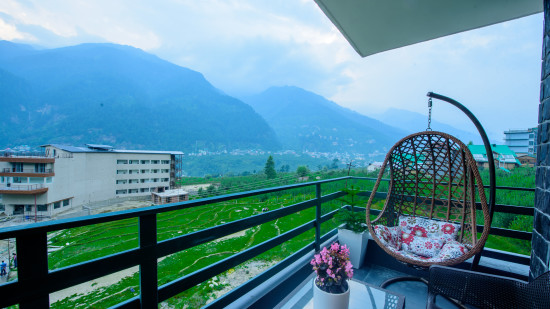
90 286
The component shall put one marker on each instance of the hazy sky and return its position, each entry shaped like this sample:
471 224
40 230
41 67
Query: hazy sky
244 47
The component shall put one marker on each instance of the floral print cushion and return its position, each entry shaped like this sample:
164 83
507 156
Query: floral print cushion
389 236
422 239
429 228
423 246
452 250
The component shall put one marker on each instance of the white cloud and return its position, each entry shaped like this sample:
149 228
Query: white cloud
9 33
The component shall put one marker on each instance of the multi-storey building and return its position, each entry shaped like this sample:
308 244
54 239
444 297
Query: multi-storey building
522 141
42 184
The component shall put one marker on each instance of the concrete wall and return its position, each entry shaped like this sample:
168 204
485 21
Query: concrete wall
540 254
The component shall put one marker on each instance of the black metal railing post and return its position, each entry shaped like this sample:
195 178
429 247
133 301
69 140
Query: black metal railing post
148 267
32 262
317 216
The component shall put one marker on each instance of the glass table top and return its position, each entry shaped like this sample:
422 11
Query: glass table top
362 295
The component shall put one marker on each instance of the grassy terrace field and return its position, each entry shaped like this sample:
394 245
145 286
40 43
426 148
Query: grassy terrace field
81 244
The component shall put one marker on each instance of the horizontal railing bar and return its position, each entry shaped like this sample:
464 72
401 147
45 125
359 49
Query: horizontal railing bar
506 256
63 278
12 293
511 209
132 303
179 285
181 243
10 232
500 208
444 184
498 231
513 188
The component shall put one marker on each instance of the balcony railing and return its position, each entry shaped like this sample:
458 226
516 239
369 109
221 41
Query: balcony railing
27 171
33 154
36 281
12 187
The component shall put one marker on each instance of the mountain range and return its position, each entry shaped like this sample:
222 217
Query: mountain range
118 95
122 96
308 122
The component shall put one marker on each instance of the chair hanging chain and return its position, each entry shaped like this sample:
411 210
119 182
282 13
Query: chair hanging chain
429 114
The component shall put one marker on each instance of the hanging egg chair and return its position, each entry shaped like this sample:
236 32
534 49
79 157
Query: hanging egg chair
430 213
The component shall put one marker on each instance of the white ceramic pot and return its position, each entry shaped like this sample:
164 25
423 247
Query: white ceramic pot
356 243
324 300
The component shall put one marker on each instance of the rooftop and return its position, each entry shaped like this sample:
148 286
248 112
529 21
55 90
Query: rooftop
91 148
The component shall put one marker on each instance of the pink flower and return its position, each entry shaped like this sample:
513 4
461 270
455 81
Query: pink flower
332 266
345 250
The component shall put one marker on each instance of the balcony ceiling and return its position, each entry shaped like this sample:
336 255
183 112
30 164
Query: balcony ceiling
374 26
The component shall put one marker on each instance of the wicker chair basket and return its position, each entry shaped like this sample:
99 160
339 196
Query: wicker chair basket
432 175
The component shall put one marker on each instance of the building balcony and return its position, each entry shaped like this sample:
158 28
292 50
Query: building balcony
26 157
23 189
311 207
13 172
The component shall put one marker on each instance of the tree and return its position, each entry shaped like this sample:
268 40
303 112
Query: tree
302 171
269 169
334 165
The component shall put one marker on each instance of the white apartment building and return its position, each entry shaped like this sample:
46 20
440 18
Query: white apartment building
522 142
42 184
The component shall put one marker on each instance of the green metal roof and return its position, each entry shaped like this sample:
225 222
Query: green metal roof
503 153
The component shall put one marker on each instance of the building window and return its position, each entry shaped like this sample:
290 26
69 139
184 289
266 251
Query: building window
121 191
66 202
165 161
121 161
144 190
36 180
182 197
48 179
19 180
28 207
2 207
165 179
155 162
40 167
156 180
134 180
134 161
154 171
133 191
168 199
134 171
144 171
145 161
121 181
531 143
42 207
122 171
56 205
165 171
2 179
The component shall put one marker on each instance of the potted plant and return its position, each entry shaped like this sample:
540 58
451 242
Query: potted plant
333 269
353 230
